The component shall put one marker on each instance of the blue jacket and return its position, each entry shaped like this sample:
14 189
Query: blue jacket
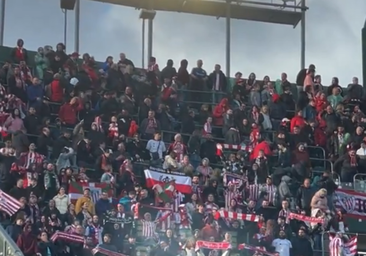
34 92
102 206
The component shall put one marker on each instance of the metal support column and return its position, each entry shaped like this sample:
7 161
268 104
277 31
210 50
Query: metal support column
364 54
149 39
65 26
228 36
2 20
303 10
143 44
77 26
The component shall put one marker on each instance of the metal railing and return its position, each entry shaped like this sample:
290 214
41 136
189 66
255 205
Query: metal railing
7 246
359 182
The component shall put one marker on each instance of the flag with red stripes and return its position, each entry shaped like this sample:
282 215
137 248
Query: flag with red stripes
238 216
337 247
8 204
105 252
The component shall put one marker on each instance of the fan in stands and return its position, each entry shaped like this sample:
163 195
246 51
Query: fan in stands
104 162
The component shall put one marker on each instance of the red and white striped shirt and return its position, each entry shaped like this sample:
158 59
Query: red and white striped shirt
230 195
148 228
271 191
253 192
166 222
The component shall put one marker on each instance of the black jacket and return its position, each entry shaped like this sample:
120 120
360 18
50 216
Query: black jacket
43 142
304 196
212 81
301 246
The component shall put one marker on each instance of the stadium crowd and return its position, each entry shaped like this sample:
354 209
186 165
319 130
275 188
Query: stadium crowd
110 159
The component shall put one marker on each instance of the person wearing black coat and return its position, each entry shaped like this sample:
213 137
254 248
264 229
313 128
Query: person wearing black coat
284 155
61 143
14 230
198 218
304 195
35 189
84 151
130 247
44 142
208 150
327 182
301 245
45 247
168 72
6 179
18 191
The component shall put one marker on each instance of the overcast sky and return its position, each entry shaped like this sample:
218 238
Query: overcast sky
333 37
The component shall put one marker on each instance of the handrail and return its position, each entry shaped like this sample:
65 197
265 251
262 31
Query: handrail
317 147
361 182
7 245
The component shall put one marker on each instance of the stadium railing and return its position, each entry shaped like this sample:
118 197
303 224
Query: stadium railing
7 246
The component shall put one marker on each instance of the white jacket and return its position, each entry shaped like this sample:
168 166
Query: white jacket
62 202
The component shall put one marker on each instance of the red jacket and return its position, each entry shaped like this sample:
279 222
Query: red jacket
68 113
57 92
218 112
297 121
320 104
261 146
319 137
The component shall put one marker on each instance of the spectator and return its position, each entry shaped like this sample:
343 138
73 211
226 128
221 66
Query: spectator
69 111
217 83
156 147
19 53
41 62
62 201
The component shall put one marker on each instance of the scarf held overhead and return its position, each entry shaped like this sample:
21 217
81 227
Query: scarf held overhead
305 218
212 245
67 237
237 216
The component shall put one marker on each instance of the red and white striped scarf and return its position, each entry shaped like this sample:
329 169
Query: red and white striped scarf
305 218
238 216
105 252
212 245
179 149
207 128
67 237
256 249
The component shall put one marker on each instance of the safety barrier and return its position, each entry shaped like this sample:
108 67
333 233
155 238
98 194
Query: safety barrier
359 182
7 246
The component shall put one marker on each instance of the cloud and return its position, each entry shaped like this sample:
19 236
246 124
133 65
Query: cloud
333 37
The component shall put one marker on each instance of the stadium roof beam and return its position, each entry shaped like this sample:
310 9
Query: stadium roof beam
242 10
270 12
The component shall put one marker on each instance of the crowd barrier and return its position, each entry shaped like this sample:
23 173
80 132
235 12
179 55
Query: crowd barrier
359 182
7 246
